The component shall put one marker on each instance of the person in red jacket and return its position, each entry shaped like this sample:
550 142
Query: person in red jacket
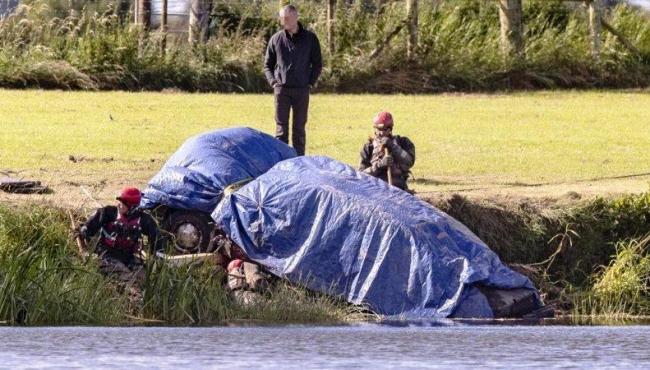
386 153
121 229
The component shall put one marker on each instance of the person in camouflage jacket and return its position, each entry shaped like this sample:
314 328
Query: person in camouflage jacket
385 153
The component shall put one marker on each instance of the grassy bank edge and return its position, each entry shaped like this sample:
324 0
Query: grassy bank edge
590 259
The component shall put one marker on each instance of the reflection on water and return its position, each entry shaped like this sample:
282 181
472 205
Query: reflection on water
430 345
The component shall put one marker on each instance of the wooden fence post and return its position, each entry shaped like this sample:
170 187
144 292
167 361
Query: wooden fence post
331 24
123 7
412 16
512 39
163 25
595 26
199 21
143 13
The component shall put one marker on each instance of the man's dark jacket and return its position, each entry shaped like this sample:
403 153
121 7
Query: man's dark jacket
293 61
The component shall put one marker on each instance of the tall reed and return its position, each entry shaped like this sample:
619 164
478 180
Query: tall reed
43 281
96 47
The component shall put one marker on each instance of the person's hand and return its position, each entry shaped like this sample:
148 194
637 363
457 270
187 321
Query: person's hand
81 232
385 162
391 144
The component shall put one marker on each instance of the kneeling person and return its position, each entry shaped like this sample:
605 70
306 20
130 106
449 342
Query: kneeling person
120 229
385 154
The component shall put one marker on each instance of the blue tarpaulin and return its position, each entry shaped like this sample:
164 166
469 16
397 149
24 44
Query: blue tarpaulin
196 175
318 222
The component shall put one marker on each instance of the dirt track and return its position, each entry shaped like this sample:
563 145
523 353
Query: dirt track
85 190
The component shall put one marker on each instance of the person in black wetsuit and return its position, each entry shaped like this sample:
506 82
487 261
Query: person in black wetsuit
121 229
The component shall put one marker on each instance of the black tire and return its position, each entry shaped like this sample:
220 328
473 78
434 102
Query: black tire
197 239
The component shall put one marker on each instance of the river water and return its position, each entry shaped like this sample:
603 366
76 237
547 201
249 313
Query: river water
301 347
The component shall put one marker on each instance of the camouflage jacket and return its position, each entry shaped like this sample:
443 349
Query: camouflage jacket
401 150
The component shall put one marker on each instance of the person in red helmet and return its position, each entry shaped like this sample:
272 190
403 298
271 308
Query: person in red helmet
121 229
386 154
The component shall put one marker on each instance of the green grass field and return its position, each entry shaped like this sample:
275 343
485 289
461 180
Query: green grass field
531 138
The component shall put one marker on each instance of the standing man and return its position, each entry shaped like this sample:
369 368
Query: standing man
292 66
385 156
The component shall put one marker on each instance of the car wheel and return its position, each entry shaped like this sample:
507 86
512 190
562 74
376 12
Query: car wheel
190 231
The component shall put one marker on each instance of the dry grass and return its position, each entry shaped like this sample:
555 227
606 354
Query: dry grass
464 142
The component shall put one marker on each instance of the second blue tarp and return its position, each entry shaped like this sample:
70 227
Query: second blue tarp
318 222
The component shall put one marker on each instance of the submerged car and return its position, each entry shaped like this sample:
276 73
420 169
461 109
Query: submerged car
320 223
193 180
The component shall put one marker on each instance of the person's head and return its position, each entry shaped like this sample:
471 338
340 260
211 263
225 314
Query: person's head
289 18
383 124
128 199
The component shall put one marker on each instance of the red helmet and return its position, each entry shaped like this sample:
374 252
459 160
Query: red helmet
383 121
130 196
